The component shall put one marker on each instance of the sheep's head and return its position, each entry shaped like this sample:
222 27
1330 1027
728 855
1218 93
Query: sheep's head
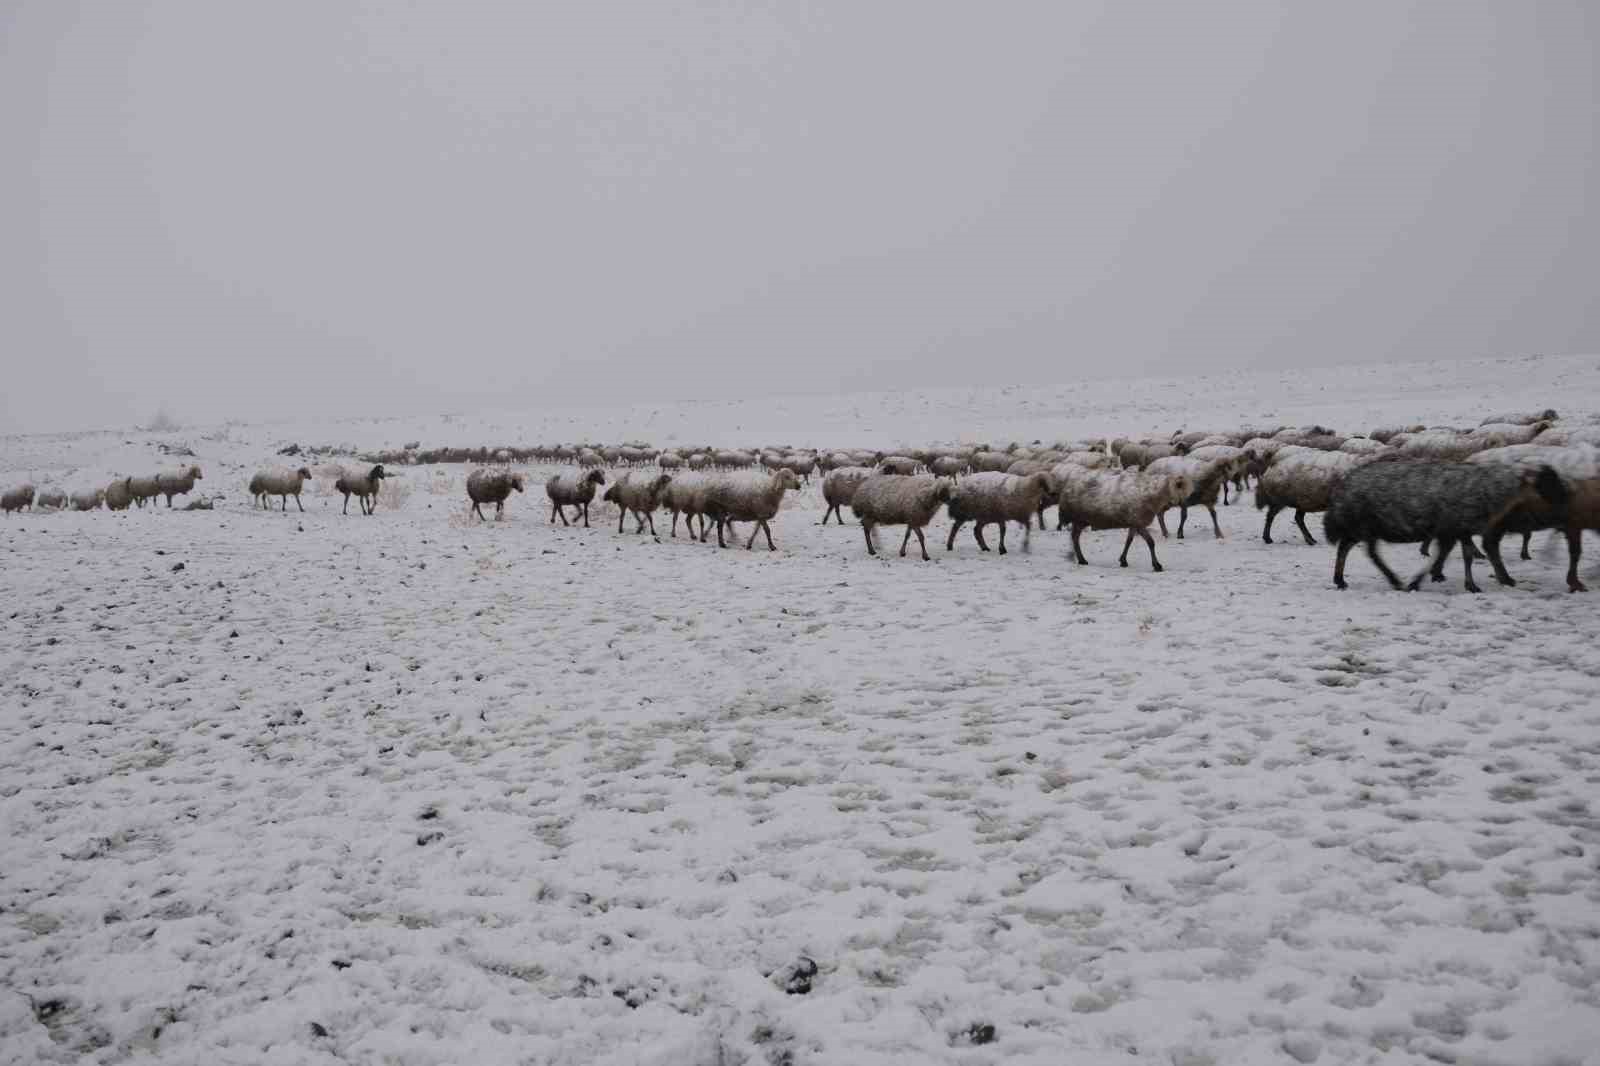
1179 488
518 482
377 473
303 474
944 490
595 477
659 485
1547 485
786 480
1540 426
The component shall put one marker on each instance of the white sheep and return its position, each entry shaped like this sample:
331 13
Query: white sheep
279 482
839 488
640 495
1235 459
1567 436
17 499
899 500
178 484
1521 418
364 487
1136 455
493 486
1001 498
572 490
748 497
1131 500
144 488
1206 479
949 465
51 500
1304 479
686 495
88 501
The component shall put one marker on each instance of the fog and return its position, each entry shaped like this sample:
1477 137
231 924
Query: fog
231 210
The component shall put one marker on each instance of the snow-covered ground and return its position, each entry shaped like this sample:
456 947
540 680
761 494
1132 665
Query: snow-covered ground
418 789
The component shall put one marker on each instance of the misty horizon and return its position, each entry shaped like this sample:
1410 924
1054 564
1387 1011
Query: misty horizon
305 210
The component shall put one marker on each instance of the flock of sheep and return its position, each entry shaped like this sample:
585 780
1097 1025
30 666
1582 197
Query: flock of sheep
1440 486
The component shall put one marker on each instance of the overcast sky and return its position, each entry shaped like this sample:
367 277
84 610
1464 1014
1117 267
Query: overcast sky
275 209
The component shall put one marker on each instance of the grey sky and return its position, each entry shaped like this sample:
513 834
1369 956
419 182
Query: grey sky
275 209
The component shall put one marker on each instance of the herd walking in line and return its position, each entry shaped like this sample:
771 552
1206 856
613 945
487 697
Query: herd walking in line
1439 487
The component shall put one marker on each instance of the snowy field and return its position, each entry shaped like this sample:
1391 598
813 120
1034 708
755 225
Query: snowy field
418 789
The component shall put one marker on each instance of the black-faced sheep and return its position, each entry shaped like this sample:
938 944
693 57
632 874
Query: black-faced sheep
572 490
493 486
1409 500
364 487
899 500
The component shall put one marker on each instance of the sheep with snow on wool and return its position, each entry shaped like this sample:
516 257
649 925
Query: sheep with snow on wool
493 486
1410 500
747 497
178 484
572 490
281 483
640 495
839 488
900 500
998 498
1131 500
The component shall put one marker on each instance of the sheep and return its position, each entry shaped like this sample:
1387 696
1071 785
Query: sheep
1099 499
282 483
1450 446
1135 456
949 465
747 497
1566 436
1206 478
686 495
1579 469
1303 479
900 500
144 488
1234 458
839 488
17 499
179 484
899 464
566 490
1521 418
699 461
364 487
119 494
670 461
1386 434
51 499
492 486
639 494
88 501
1363 446
803 466
1002 498
991 461
1408 500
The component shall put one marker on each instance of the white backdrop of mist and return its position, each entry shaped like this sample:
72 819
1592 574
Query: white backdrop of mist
269 210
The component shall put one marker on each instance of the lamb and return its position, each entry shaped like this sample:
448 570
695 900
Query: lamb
119 494
1098 499
567 490
179 484
281 483
900 500
1206 478
1002 498
1303 479
641 495
686 495
747 497
88 501
1409 500
17 499
1579 469
144 488
364 487
492 486
51 499
1521 418
839 488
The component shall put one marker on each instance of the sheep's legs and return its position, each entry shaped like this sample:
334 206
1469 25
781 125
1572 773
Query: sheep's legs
1338 563
585 509
1183 519
922 542
1377 560
1467 555
1123 558
346 504
1155 564
1266 530
977 535
1491 549
761 524
1217 529
558 509
832 507
866 531
905 543
1162 518
478 512
297 503
1436 567
1526 537
1077 546
1299 520
955 527
1574 553
1002 538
